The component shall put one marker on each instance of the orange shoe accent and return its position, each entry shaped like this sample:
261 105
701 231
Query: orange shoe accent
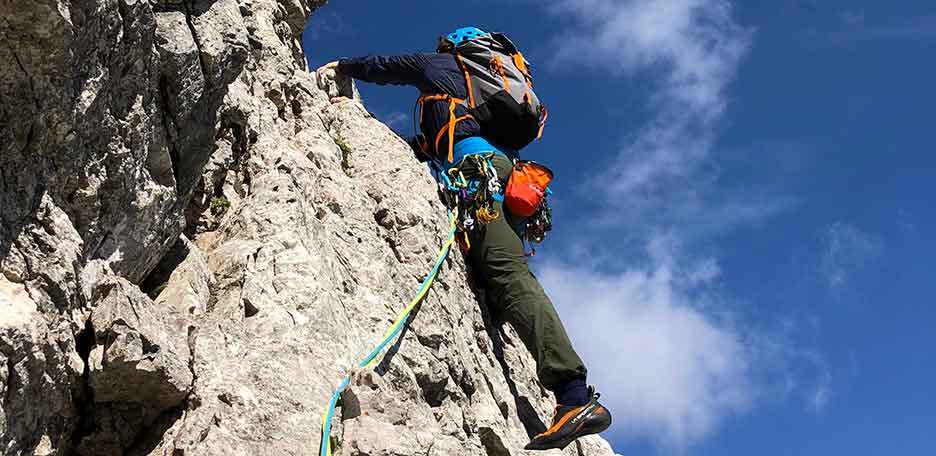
555 427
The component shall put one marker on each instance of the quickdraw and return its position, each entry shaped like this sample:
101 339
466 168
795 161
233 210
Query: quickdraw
471 188
534 228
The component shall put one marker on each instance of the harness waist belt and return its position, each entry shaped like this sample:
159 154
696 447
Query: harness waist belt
477 145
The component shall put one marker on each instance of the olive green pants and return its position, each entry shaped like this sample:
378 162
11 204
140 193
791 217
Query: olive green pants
497 256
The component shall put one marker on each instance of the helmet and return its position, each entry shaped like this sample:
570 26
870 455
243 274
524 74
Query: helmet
464 34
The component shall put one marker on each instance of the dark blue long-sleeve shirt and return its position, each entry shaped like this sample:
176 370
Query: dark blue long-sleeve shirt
431 74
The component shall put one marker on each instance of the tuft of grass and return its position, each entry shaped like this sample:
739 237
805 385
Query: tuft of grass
219 205
345 156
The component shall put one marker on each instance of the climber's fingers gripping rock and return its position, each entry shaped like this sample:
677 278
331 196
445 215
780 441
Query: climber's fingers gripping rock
322 72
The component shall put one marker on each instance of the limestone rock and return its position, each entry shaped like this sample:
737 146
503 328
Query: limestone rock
197 246
137 356
39 372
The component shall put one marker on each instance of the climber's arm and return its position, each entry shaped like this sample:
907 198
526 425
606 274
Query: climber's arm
397 70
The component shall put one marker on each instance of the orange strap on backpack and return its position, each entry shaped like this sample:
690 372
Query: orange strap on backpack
542 125
453 120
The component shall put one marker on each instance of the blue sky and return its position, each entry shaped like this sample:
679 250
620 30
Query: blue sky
744 208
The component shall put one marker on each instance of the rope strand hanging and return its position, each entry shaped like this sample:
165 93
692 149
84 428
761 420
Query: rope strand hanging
389 335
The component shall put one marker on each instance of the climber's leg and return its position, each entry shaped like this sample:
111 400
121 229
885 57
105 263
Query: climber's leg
497 254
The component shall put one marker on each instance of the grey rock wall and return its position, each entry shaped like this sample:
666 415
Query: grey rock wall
196 246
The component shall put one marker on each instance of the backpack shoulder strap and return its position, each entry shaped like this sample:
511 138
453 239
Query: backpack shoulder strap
449 128
464 70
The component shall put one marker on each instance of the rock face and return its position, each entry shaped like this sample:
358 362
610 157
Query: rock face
196 246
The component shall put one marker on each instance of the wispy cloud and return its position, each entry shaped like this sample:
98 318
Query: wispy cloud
693 48
665 174
671 372
677 355
846 251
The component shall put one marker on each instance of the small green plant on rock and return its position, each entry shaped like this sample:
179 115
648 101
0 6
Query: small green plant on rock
219 205
345 156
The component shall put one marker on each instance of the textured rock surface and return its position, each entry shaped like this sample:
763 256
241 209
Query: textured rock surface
196 246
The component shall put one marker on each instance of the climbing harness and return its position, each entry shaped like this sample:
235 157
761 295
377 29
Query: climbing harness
470 189
389 335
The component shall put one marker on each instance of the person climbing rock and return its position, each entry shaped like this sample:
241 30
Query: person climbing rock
477 109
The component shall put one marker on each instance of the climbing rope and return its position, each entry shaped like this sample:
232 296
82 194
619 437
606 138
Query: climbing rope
389 335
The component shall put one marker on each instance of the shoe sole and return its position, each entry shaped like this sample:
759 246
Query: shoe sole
588 428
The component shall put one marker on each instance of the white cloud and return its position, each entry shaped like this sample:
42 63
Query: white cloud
673 356
675 360
664 176
671 372
692 48
846 251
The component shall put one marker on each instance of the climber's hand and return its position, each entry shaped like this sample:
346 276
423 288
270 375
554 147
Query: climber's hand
321 74
328 66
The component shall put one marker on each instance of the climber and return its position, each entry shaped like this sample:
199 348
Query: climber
496 251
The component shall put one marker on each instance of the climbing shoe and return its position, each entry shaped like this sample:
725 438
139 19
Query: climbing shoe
572 422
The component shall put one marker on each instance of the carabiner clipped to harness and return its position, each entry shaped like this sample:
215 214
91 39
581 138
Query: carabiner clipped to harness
494 185
535 227
471 189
